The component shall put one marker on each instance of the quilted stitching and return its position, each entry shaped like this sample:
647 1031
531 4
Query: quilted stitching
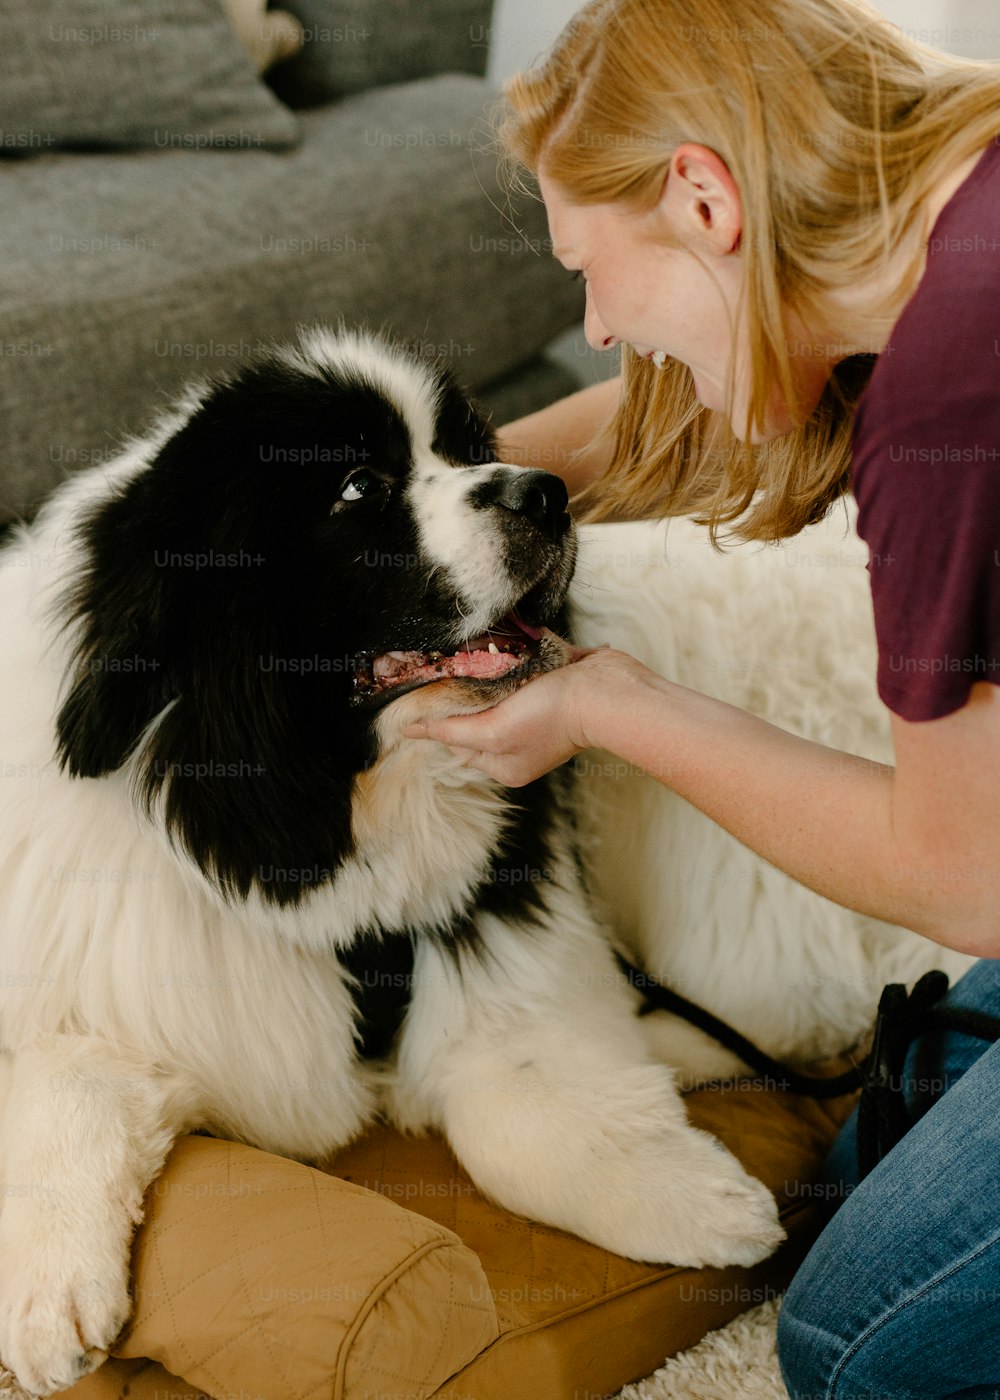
399 1306
251 1273
538 1274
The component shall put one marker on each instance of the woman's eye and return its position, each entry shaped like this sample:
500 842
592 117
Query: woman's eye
357 485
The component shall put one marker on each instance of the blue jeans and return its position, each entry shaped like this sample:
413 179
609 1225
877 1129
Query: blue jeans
899 1298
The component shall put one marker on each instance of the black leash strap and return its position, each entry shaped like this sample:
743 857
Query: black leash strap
660 998
883 1117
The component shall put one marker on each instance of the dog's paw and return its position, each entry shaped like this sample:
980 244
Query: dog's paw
695 1207
738 1222
58 1316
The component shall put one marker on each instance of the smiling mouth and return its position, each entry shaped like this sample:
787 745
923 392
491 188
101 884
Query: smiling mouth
508 646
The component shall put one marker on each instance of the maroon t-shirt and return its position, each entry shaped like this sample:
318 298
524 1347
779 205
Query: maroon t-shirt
926 466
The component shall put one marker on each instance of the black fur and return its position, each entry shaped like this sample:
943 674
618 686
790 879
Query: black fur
220 581
464 434
227 594
383 964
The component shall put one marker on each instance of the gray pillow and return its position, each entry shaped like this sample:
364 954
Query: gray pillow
353 45
168 74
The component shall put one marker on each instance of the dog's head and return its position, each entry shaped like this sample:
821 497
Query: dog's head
325 531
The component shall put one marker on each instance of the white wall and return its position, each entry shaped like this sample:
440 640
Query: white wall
522 30
969 27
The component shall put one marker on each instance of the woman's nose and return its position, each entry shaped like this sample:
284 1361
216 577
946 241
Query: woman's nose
595 331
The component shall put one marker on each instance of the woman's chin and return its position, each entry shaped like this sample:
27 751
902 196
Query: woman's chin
711 395
768 433
777 423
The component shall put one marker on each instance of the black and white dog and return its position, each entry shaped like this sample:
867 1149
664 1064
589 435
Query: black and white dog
212 835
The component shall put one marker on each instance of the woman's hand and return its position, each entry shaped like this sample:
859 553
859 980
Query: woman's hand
544 723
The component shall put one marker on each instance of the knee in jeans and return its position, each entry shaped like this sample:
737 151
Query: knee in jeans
807 1353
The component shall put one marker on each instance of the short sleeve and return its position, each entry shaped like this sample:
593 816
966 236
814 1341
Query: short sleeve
927 481
926 466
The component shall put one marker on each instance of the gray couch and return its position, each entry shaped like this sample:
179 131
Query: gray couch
127 272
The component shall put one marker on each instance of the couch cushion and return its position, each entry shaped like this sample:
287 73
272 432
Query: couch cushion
532 386
125 275
548 1316
255 1275
354 45
159 73
135 1380
576 1320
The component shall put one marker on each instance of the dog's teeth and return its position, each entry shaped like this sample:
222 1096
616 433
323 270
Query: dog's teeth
493 649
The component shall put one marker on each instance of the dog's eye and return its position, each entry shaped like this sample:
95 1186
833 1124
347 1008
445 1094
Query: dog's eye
359 484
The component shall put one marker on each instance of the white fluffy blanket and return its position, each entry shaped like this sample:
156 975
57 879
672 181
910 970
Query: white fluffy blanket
785 632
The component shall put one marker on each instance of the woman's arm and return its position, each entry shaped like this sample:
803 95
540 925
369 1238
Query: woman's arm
917 845
562 437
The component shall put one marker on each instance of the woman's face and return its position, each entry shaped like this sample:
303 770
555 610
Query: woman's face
674 301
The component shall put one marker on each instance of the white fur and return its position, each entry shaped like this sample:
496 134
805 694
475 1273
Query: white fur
787 633
397 375
461 540
136 1003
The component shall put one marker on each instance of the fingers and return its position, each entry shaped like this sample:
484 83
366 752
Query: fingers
457 730
501 766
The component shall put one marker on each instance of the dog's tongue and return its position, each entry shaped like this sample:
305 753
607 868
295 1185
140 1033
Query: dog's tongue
393 667
536 633
497 652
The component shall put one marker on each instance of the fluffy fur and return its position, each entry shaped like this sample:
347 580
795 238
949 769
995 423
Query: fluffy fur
786 632
210 827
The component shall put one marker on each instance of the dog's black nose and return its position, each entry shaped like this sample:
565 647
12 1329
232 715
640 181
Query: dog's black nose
539 496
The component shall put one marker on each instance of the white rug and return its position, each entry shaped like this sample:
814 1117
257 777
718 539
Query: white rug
738 1362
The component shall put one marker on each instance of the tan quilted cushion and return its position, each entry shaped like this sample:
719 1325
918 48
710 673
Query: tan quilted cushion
257 1276
576 1320
389 1302
134 1380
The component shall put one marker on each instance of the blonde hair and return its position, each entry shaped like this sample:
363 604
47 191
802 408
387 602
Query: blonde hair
835 127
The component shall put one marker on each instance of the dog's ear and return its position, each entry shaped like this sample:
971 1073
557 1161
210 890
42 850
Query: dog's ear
119 675
207 654
251 771
114 695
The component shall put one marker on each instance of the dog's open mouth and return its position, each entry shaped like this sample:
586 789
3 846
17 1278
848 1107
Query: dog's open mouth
509 645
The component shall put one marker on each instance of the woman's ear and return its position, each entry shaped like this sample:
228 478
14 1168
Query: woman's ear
701 200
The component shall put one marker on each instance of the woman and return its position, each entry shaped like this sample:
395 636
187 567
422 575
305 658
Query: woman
789 219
